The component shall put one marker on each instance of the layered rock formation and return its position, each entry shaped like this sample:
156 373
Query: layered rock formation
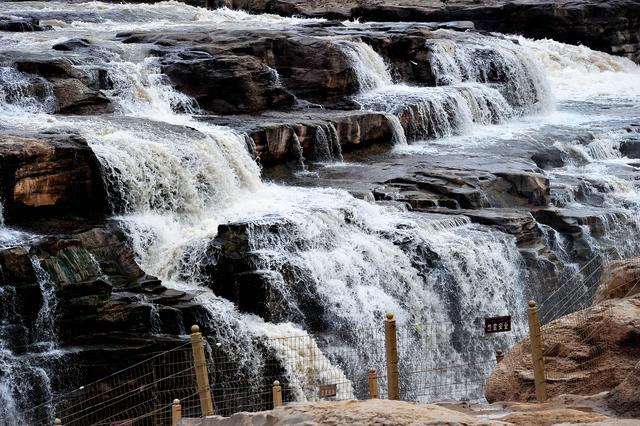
611 26
293 91
49 175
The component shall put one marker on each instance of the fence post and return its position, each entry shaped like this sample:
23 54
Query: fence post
535 337
391 346
202 375
277 394
57 422
373 383
176 412
499 356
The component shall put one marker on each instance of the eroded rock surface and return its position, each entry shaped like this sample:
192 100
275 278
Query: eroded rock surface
53 82
49 174
611 26
587 352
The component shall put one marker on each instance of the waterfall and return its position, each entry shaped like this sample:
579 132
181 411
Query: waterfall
326 146
578 73
368 66
440 111
45 330
475 58
334 264
481 80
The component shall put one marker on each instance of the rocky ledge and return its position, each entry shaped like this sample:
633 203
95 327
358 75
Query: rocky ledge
612 26
50 174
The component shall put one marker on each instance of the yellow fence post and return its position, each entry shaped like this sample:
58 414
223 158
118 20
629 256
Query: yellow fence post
277 394
391 346
535 337
373 383
202 375
499 356
57 422
176 412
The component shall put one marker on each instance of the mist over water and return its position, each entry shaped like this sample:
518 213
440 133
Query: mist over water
173 180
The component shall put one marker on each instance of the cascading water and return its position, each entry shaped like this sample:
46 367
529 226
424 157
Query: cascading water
336 262
482 80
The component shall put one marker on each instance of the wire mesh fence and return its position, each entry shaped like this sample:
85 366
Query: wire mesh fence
577 340
139 395
435 362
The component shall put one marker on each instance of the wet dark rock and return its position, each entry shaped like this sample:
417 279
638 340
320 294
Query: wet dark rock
49 175
101 294
285 293
550 158
72 44
292 136
229 84
74 91
533 187
21 25
311 68
608 25
630 149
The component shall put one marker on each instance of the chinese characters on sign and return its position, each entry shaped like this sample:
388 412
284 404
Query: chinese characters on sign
497 324
328 390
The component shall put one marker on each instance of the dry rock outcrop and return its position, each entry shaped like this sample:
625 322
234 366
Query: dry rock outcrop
590 351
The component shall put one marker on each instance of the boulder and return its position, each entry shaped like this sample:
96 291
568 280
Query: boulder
311 68
72 44
21 25
75 91
49 175
624 399
229 84
585 353
630 149
621 279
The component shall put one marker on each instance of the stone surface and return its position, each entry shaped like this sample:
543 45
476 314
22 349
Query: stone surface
567 410
21 25
624 399
229 84
621 279
587 352
311 68
312 134
608 25
74 91
371 412
49 174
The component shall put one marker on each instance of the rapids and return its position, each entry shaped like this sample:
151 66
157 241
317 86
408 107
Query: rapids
174 179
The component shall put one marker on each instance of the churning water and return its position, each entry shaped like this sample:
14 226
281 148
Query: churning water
173 180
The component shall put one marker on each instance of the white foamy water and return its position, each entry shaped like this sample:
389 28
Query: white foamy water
577 72
369 67
173 180
507 82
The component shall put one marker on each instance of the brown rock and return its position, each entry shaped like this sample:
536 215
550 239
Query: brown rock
620 280
553 417
624 399
229 84
75 91
49 174
587 352
370 412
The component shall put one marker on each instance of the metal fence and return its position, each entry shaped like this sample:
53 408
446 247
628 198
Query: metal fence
432 362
